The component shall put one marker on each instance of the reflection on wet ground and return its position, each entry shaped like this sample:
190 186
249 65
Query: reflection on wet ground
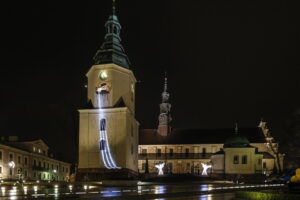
170 191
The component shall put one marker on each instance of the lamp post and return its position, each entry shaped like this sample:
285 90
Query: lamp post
11 165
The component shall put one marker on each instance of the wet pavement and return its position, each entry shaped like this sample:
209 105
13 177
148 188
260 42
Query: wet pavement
161 191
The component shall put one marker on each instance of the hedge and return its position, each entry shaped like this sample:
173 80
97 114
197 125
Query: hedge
265 196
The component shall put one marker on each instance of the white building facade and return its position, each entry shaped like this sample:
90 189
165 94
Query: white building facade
30 161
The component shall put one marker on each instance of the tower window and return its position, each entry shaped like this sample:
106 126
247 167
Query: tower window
244 159
235 159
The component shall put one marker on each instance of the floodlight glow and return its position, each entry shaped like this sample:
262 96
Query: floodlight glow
160 167
205 168
104 148
11 164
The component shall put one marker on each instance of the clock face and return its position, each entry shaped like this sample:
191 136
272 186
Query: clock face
103 75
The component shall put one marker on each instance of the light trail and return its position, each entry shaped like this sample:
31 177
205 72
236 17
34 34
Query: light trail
104 148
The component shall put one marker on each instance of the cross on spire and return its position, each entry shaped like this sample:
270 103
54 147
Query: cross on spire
113 7
236 129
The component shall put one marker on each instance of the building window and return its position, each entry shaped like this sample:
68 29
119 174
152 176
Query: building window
34 174
34 162
52 166
40 164
203 151
235 159
264 165
10 171
158 152
39 150
44 165
57 168
63 169
25 161
187 151
19 159
34 149
67 169
11 157
143 166
0 155
144 151
0 169
171 152
244 159
25 173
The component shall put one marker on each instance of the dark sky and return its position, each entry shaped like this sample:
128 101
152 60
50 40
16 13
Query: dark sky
226 62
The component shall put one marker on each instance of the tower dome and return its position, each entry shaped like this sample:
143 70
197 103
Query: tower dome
237 140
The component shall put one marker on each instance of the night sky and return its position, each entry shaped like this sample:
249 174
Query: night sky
226 62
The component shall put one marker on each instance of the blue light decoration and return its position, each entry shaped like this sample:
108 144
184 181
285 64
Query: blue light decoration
106 156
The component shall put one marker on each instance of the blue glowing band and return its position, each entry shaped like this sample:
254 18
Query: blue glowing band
106 156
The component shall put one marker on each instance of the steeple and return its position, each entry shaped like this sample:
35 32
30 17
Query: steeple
165 108
165 95
112 51
236 129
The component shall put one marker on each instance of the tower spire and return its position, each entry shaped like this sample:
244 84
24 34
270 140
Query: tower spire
165 108
165 95
114 7
112 51
236 128
166 83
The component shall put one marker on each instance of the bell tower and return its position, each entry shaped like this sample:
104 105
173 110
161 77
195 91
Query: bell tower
108 130
165 107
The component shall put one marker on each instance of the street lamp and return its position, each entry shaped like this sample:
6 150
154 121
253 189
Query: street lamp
11 165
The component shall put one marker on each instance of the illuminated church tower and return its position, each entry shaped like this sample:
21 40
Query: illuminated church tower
164 118
108 130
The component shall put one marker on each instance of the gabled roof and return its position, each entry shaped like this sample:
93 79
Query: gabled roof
198 136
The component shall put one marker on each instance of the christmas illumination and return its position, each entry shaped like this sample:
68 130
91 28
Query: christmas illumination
106 156
160 167
205 168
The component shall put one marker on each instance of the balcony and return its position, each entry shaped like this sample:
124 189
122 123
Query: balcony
175 156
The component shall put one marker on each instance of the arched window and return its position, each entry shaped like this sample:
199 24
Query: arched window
236 159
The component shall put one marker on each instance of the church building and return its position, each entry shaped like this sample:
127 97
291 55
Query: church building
111 144
226 151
